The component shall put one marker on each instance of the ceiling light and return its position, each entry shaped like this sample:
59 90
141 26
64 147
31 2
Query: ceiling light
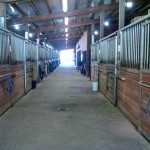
17 27
30 35
96 32
65 5
106 23
66 35
66 38
129 4
66 29
66 20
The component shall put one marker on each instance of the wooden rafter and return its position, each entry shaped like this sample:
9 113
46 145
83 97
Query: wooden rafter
50 28
53 16
50 10
55 34
64 38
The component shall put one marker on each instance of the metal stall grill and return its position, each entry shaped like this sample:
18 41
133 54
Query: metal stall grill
108 68
131 45
134 74
4 48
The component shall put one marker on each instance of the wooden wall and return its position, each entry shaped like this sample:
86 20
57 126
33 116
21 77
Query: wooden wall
106 81
128 95
7 99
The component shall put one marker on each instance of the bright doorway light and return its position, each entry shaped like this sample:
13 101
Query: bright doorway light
66 29
65 5
67 57
66 20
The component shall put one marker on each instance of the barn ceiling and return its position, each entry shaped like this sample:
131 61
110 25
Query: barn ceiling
46 17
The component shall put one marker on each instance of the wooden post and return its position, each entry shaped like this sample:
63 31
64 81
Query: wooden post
102 18
88 53
2 14
121 13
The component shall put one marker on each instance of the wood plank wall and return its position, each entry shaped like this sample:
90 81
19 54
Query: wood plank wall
107 90
128 95
144 119
6 99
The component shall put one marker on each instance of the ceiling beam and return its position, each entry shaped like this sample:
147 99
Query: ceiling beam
50 10
63 42
50 28
35 9
53 16
12 1
64 38
62 33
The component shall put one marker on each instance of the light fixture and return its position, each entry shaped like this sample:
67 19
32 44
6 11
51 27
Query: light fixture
66 35
129 4
106 23
65 5
17 27
66 39
40 33
66 20
96 32
30 35
66 29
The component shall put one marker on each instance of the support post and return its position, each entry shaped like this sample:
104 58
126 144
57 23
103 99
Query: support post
92 33
2 14
37 54
102 18
88 52
121 13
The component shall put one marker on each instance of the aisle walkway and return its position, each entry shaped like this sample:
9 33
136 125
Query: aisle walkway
64 114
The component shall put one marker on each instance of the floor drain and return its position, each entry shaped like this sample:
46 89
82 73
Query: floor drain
63 109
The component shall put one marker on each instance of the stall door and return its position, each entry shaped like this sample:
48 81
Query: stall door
144 117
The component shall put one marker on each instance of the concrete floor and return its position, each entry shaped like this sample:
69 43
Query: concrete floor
64 114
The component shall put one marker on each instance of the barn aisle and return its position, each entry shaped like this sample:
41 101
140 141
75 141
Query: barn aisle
62 113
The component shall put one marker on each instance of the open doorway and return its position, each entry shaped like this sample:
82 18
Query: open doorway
67 57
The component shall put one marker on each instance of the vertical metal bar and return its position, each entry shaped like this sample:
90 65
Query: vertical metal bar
128 49
134 48
140 88
121 49
149 46
116 72
145 43
125 48
147 63
135 39
25 68
131 45
139 43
